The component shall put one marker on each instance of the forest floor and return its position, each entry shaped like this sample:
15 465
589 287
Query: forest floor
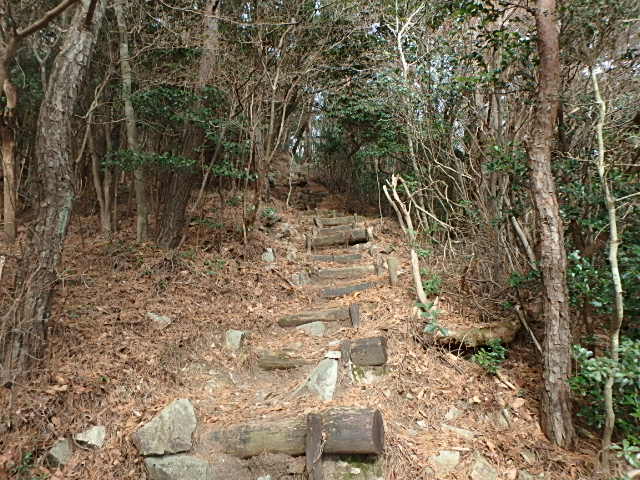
107 364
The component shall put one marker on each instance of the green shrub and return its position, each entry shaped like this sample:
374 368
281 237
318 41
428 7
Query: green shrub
589 382
431 282
491 357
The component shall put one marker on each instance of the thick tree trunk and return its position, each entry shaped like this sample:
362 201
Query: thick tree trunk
142 203
556 421
24 328
174 211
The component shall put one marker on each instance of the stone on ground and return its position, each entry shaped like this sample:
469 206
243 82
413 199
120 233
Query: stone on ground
61 452
461 432
269 256
93 437
524 475
300 279
368 375
168 432
528 456
452 414
314 329
187 467
483 470
159 321
355 467
234 339
445 462
324 378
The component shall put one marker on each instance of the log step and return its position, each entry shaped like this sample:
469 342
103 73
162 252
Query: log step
349 237
339 228
331 315
280 360
334 221
343 273
347 431
347 258
334 292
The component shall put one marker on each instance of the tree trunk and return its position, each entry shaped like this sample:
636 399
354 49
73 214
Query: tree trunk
8 137
556 421
142 203
174 211
24 328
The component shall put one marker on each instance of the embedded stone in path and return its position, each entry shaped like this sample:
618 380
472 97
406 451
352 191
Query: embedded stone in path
369 351
269 256
461 432
93 437
445 462
334 292
348 431
61 452
159 321
314 329
187 467
330 315
347 258
301 279
323 379
233 339
483 470
168 432
368 375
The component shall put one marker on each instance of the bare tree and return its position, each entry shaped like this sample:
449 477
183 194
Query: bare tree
556 421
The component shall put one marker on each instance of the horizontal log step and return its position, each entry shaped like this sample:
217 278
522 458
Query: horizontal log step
346 431
334 292
330 315
333 221
349 237
342 273
280 361
339 228
347 258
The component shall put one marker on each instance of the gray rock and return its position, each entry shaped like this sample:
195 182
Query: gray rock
61 452
159 321
368 375
445 462
264 477
334 354
461 432
93 437
483 470
269 256
529 456
355 467
233 339
452 414
324 378
524 475
168 432
292 254
314 329
301 279
177 467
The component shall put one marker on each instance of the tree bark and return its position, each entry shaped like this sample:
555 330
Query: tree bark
556 420
174 211
140 184
23 330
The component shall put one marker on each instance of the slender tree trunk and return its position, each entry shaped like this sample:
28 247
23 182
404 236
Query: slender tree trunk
8 137
142 204
23 330
174 210
556 420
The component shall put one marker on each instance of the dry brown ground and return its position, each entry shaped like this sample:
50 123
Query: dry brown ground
108 365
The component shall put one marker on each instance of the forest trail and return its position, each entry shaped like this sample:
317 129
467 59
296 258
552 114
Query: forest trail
240 332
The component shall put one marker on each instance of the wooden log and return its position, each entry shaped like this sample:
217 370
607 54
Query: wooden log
280 361
339 228
314 446
348 258
331 315
393 263
369 351
347 431
333 292
354 313
334 221
349 237
348 272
